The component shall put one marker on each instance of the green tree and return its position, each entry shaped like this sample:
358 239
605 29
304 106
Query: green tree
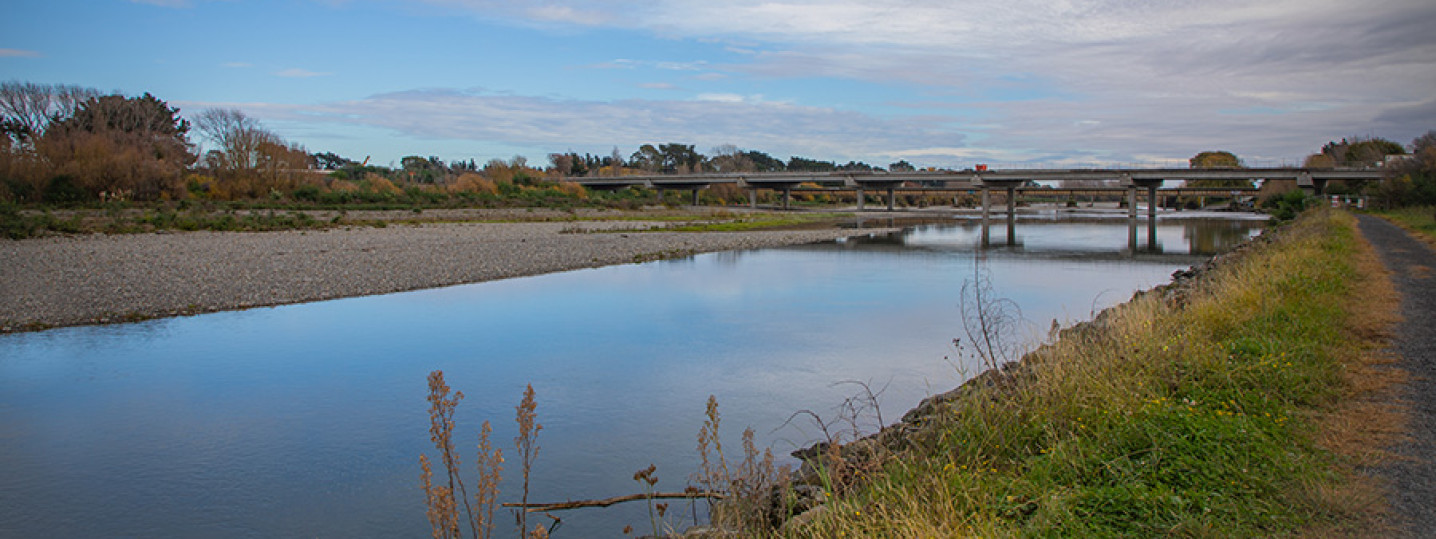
803 164
680 158
330 161
762 162
647 158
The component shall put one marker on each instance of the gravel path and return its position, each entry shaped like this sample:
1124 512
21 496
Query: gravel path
1413 477
98 279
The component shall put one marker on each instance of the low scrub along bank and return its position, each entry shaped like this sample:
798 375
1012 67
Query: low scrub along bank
1198 411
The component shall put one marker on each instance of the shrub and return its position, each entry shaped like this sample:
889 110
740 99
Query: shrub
63 190
307 193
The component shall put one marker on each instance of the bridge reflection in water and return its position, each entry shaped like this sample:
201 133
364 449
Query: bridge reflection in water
1195 234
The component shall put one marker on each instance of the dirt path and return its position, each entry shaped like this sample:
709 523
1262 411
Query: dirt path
1413 476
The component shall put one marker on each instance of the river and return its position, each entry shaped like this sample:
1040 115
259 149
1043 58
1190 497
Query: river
308 420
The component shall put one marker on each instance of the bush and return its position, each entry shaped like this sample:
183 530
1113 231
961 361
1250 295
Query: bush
13 225
307 193
63 190
1286 206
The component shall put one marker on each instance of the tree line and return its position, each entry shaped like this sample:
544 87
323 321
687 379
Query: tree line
69 144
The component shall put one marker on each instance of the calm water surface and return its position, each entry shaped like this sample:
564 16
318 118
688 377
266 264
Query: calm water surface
308 420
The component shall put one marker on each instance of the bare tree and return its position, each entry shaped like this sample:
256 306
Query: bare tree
27 109
238 139
728 158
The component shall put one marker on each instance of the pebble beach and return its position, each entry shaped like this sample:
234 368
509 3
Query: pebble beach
96 279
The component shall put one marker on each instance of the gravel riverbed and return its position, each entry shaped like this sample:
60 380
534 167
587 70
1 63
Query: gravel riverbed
75 280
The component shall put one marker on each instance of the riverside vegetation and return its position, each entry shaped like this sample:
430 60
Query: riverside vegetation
1238 401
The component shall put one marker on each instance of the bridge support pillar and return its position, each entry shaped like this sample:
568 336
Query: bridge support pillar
1152 216
892 195
660 196
787 195
753 198
1132 202
861 199
986 203
695 196
1132 234
1011 216
986 211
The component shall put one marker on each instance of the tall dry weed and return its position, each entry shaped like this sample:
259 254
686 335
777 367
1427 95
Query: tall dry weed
527 444
748 488
442 497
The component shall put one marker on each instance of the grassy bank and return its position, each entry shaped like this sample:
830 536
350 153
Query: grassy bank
1227 411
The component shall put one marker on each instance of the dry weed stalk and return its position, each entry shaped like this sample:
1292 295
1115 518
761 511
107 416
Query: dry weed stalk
991 323
527 444
747 489
490 462
442 499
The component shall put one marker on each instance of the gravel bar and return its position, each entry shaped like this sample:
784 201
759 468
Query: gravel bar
61 281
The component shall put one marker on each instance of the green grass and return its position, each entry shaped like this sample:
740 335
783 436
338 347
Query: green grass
1164 421
1418 219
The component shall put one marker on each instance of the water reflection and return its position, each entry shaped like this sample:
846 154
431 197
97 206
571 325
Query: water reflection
308 420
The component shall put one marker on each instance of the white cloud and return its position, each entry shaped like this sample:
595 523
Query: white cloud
546 123
1275 76
721 98
298 73
18 53
657 86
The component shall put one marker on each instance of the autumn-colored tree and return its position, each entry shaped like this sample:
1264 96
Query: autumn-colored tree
1318 160
1218 160
1215 159
122 147
1361 151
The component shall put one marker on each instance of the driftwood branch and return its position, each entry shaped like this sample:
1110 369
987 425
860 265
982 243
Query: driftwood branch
540 507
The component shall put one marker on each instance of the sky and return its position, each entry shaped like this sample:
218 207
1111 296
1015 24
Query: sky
944 83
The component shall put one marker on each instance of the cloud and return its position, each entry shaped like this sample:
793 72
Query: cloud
18 53
298 73
540 122
1163 76
657 86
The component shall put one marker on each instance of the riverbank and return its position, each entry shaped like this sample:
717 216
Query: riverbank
95 279
1240 402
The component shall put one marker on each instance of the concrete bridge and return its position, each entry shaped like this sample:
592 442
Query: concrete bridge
1013 181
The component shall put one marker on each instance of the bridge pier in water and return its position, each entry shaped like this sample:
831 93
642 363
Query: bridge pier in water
1132 185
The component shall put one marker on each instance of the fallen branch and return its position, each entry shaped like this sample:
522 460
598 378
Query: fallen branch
540 507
